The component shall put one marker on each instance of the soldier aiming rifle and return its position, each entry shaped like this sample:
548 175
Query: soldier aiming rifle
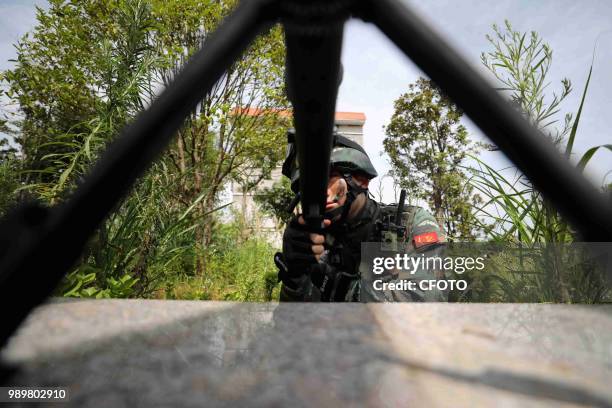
326 265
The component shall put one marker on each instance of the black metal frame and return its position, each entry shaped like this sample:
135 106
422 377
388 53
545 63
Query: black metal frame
38 245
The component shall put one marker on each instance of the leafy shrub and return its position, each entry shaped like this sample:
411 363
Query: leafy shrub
82 283
274 201
237 269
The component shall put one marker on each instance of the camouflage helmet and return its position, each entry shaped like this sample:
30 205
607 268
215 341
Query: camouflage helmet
347 156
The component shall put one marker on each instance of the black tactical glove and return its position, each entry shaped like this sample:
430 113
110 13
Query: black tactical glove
332 283
297 258
323 277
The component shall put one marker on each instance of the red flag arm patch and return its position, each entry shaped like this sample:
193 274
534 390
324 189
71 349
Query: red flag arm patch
425 239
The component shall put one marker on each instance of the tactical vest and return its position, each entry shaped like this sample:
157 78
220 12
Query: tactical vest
417 231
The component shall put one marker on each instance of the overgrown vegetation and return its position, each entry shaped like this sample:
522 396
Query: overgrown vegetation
82 75
521 62
513 211
275 200
90 66
240 270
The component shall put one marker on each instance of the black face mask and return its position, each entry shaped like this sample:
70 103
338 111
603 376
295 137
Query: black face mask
353 192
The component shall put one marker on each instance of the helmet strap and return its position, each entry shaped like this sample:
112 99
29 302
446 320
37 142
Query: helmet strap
353 192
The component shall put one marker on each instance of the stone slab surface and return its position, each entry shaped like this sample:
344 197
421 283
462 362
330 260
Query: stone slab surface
148 353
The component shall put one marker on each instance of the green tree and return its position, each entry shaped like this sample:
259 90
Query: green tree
9 181
235 132
274 200
85 71
56 80
9 164
427 146
118 261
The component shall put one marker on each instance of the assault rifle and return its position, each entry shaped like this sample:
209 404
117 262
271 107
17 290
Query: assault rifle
39 244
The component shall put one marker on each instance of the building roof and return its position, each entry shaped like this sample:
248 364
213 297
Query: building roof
349 118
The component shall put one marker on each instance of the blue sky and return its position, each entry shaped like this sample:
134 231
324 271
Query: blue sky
376 73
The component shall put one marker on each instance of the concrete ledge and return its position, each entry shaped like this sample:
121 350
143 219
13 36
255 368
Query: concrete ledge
180 353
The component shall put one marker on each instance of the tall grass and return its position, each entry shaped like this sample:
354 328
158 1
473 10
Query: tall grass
514 212
239 269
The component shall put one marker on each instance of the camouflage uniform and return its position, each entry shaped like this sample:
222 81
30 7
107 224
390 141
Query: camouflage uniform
341 265
343 259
